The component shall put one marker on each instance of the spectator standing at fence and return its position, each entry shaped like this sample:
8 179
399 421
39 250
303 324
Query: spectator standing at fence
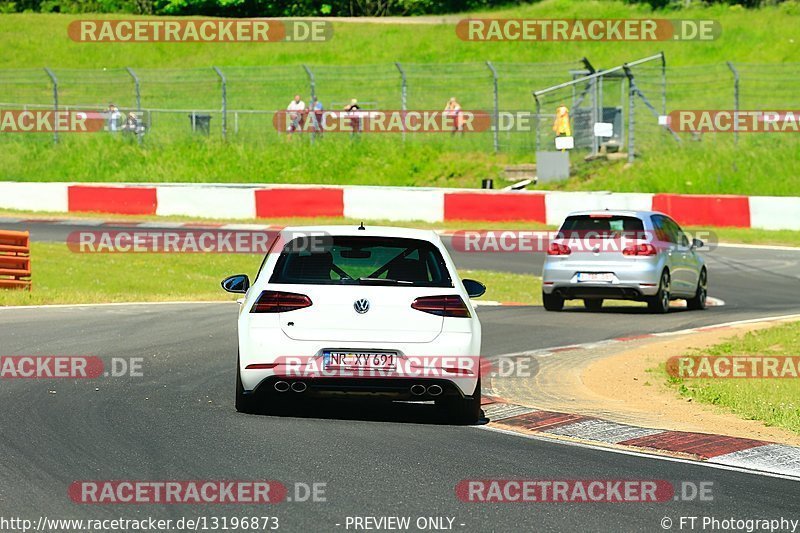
354 112
317 116
296 110
131 123
453 112
561 125
113 117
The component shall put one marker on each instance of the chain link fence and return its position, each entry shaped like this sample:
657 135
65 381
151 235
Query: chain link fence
633 99
240 102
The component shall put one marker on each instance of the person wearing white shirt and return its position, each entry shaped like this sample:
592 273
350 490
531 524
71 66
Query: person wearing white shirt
295 108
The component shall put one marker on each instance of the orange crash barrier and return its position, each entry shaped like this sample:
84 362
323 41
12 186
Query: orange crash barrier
15 260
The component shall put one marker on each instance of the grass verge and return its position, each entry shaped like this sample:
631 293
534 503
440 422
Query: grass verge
64 277
776 402
761 164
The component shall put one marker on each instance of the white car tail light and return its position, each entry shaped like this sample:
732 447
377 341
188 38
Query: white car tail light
280 302
449 306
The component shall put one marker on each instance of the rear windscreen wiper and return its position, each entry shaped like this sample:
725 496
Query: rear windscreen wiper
383 281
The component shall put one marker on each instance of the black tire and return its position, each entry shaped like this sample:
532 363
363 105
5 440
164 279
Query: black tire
698 302
593 304
244 403
464 410
552 302
660 302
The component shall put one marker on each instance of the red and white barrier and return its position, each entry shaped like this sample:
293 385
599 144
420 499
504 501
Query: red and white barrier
25 196
389 203
775 212
394 203
560 204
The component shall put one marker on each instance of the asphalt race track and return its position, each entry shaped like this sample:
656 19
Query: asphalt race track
752 282
176 421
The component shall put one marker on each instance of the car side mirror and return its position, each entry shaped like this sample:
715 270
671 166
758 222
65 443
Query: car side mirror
474 288
236 284
697 243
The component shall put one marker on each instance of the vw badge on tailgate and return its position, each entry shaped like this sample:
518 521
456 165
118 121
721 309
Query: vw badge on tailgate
361 306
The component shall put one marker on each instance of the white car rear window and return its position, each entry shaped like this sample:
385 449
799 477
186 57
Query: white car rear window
354 260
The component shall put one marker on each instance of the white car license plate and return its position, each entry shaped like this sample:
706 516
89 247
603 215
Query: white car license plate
606 277
371 360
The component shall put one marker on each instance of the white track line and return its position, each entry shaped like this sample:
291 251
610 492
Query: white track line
587 345
759 246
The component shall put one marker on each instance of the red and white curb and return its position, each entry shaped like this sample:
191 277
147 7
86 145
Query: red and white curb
243 201
744 453
747 454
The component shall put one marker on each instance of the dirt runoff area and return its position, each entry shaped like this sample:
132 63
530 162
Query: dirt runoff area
620 380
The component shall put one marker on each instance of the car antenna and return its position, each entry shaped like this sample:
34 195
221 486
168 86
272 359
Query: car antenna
361 227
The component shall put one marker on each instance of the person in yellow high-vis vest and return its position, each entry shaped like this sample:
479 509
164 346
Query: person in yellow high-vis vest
561 124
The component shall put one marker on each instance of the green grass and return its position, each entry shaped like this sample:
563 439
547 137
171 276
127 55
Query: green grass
743 38
776 402
373 160
757 236
761 164
61 276
507 287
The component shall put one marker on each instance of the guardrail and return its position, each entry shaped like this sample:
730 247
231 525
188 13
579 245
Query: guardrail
15 260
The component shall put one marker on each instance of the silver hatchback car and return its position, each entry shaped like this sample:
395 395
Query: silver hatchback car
623 255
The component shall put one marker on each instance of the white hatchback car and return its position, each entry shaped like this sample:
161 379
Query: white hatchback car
353 311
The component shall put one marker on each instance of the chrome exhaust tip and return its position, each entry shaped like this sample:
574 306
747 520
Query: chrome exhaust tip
281 386
299 386
435 390
417 390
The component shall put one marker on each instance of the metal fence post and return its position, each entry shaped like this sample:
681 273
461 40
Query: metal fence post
593 116
622 104
403 92
313 85
631 109
496 132
538 119
311 81
136 89
224 102
735 98
663 84
55 102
